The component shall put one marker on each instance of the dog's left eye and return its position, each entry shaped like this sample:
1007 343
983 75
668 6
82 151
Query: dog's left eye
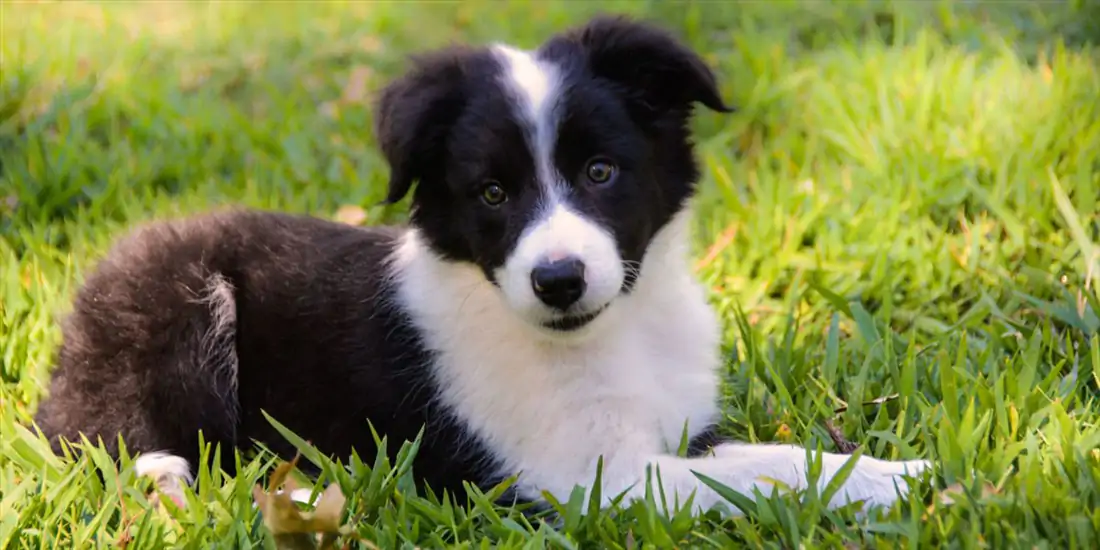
600 171
492 193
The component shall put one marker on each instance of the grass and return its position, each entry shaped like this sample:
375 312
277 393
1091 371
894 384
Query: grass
900 227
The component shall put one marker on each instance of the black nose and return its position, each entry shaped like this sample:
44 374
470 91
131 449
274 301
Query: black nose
559 284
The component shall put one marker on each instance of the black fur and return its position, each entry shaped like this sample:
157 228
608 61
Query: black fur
315 338
320 346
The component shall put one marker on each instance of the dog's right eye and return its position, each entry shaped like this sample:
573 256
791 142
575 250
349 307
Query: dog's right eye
493 194
600 171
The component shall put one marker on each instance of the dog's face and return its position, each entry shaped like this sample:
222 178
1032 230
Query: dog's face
550 170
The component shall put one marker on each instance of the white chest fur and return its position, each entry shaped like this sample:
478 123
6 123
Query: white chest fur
550 409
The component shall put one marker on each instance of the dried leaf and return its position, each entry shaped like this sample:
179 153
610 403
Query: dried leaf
355 90
351 215
724 240
330 109
294 528
954 492
370 44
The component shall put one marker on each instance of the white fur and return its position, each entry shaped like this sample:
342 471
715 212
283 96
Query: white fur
218 344
159 465
168 472
559 234
550 408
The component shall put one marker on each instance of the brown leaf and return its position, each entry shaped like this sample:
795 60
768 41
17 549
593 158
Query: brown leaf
954 492
330 109
351 215
294 528
355 90
720 244
370 44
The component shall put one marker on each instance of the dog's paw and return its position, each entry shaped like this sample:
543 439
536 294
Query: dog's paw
873 481
168 472
910 468
880 482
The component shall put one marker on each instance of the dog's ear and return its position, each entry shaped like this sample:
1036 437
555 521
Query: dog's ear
654 71
414 114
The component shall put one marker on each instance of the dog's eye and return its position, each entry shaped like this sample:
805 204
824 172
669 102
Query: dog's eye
600 171
493 194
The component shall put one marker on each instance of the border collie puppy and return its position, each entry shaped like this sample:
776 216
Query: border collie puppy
538 313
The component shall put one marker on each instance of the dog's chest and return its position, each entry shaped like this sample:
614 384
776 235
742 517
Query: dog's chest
550 408
551 412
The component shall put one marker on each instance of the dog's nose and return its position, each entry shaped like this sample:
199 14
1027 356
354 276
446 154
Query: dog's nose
559 284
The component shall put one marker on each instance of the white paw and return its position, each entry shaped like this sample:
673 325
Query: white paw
875 482
911 468
880 482
169 473
160 464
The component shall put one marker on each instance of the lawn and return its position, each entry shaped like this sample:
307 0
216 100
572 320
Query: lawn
900 228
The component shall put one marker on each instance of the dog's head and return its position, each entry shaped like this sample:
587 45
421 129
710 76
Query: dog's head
550 170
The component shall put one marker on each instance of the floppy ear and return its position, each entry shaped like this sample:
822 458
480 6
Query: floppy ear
413 115
653 70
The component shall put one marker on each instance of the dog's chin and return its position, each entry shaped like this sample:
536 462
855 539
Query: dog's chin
576 323
571 323
573 326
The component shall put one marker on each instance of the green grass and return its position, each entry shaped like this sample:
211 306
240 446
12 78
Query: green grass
900 226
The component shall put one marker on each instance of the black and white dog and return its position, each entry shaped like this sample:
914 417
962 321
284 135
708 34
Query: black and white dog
538 313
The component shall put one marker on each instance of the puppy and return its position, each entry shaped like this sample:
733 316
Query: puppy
537 314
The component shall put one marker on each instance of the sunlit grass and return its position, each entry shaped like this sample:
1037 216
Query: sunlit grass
900 227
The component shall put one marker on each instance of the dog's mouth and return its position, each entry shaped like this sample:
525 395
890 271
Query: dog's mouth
570 323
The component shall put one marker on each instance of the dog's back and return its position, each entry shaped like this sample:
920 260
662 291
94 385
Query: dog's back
201 324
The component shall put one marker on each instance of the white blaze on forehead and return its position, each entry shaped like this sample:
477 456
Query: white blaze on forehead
534 85
555 230
531 80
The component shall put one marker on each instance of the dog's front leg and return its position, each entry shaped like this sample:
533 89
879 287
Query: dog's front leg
744 467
